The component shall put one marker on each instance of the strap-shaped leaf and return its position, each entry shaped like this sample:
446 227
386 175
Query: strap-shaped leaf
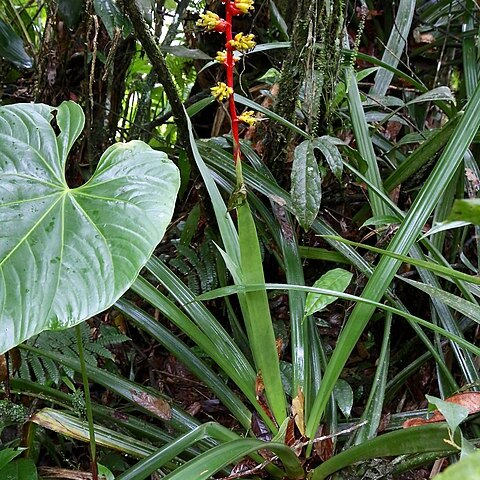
69 253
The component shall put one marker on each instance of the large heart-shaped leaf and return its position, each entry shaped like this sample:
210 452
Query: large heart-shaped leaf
69 253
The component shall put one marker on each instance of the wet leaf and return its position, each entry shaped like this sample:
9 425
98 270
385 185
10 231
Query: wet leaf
337 279
344 397
69 253
306 189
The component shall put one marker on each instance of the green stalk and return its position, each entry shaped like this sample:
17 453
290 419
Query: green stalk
88 404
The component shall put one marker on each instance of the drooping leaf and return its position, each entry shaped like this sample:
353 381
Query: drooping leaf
12 48
337 279
328 146
68 253
306 184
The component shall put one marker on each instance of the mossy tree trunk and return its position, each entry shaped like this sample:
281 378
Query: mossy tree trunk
311 68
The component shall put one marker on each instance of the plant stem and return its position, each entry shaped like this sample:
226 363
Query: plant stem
88 404
230 66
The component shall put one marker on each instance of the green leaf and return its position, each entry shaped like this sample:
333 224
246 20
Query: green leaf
466 210
11 47
439 93
68 253
22 469
337 279
344 397
467 467
328 146
71 11
105 473
112 17
426 438
8 454
306 184
454 414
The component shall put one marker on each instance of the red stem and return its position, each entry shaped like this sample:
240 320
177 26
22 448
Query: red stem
229 64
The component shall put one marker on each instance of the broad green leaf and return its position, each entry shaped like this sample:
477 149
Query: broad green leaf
466 210
68 253
22 469
306 184
112 17
71 11
11 47
8 454
337 279
454 414
468 467
344 397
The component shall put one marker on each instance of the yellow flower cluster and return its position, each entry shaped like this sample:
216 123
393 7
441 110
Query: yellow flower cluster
221 91
211 21
243 6
242 42
222 57
248 117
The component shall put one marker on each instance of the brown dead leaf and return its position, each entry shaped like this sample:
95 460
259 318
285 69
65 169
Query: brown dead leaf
259 428
290 439
469 400
259 385
279 345
324 448
156 405
298 411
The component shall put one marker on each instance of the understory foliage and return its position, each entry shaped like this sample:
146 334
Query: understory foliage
310 308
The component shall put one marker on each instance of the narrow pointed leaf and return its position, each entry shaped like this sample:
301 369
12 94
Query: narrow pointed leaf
66 253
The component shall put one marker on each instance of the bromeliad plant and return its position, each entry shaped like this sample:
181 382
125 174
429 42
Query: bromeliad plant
247 268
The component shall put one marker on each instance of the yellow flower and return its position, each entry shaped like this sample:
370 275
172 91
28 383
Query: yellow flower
221 91
242 42
243 6
222 57
211 21
248 117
